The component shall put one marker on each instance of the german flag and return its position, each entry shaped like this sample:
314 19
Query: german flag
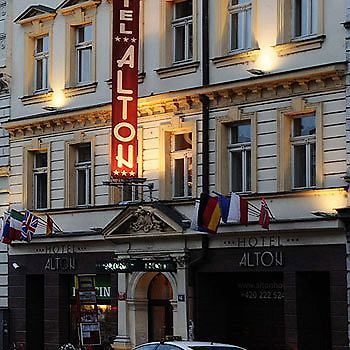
209 213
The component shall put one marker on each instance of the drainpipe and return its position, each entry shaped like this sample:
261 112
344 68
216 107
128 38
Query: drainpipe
204 99
344 213
205 162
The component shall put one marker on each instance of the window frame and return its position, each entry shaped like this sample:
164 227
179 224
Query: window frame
287 40
246 40
168 68
80 48
185 155
243 148
86 167
310 18
76 16
298 108
235 115
36 172
29 150
177 126
42 56
187 24
71 188
307 141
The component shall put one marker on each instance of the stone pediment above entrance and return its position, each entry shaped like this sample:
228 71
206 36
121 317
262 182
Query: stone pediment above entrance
146 219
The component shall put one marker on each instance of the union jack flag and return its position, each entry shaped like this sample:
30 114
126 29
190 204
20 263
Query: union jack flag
29 225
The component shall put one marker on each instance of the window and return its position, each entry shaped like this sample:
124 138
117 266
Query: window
83 48
177 159
40 180
300 26
236 151
182 31
240 23
303 142
239 148
41 63
129 193
300 146
181 165
178 36
83 174
305 17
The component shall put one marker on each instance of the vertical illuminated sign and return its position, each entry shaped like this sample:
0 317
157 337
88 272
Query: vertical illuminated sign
124 88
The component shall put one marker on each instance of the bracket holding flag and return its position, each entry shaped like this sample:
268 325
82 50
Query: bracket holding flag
17 226
209 210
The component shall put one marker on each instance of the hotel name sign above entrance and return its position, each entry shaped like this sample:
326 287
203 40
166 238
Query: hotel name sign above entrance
259 251
55 261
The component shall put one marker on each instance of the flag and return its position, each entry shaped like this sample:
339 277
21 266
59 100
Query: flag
264 217
224 204
5 229
243 206
49 225
234 213
209 214
238 210
194 221
29 225
16 219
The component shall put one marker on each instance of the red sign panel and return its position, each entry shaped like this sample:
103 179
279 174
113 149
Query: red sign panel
124 88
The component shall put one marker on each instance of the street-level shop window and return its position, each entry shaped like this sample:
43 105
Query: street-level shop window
40 180
305 17
181 164
303 143
41 64
239 148
83 174
182 31
240 24
83 49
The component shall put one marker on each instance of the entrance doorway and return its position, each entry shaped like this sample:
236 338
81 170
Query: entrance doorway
35 312
160 311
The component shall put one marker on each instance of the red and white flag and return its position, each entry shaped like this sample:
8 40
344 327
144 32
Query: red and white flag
264 217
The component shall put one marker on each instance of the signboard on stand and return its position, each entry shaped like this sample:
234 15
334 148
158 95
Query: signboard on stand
90 333
89 327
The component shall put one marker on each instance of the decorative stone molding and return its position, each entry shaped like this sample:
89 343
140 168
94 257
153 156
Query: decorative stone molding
185 104
37 98
80 90
146 221
178 69
57 123
141 78
70 7
275 86
299 45
236 58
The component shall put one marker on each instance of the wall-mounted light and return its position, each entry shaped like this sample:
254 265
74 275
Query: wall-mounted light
256 71
16 266
51 108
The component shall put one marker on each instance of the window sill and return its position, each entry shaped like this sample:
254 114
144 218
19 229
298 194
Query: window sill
37 98
178 69
234 58
80 89
300 45
141 78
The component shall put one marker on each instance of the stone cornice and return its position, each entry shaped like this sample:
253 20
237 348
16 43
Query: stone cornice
269 87
56 123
